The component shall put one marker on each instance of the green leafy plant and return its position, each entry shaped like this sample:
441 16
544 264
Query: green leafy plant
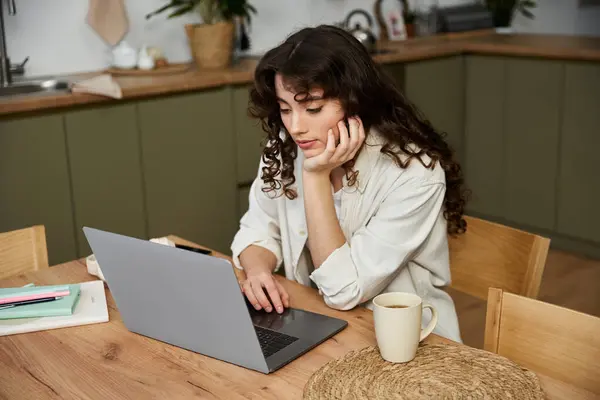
211 11
503 10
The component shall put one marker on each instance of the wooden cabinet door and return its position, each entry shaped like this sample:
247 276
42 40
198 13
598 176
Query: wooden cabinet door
579 181
189 169
533 103
511 138
248 136
396 72
437 89
485 83
105 165
34 181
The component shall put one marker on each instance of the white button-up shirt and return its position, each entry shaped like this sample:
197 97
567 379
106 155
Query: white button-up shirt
396 238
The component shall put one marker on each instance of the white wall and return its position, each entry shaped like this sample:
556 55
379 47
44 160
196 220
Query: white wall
54 34
56 37
561 17
588 21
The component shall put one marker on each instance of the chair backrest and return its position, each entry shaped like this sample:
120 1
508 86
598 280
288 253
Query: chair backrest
554 341
493 255
23 250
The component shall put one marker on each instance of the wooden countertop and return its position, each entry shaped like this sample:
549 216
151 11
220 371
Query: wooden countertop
480 42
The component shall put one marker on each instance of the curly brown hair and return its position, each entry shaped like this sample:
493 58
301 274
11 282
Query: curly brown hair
330 59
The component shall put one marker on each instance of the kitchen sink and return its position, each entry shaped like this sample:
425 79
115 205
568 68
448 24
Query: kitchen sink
23 88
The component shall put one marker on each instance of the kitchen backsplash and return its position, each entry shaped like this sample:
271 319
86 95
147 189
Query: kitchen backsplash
57 40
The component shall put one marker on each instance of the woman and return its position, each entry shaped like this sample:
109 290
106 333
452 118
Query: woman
355 193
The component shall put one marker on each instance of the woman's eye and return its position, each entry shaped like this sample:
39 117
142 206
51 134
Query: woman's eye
284 111
314 110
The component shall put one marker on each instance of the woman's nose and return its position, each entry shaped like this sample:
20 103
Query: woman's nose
298 125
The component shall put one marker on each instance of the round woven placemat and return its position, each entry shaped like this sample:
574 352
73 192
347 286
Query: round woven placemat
438 371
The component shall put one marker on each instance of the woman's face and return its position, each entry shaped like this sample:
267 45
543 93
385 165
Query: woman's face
308 122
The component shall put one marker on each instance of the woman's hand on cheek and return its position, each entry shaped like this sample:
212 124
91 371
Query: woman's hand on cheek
333 156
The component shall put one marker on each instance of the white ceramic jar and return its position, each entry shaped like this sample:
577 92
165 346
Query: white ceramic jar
124 56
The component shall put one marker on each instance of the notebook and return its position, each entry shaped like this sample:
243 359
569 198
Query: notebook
31 292
91 308
63 306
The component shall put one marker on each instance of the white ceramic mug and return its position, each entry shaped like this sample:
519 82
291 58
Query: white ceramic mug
398 330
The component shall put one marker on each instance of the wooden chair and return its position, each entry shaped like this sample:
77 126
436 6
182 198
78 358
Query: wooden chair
554 341
493 255
23 250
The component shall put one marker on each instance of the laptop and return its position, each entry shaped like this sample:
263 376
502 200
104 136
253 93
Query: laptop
193 301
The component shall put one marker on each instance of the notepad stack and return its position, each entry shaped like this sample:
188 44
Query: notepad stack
38 301
35 308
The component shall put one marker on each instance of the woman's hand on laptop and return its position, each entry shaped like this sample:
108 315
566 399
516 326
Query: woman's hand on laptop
259 263
255 285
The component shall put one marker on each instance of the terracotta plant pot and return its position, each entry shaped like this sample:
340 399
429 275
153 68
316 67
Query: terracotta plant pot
211 44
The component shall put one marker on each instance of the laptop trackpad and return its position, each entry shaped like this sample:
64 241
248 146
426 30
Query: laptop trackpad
272 320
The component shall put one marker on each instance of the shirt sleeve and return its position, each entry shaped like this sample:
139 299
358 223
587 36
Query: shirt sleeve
361 268
259 226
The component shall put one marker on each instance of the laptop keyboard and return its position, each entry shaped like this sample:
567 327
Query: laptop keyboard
271 341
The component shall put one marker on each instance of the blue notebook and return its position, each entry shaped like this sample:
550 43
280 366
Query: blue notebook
63 306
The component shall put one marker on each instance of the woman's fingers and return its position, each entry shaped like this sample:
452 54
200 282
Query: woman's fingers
273 291
247 288
257 288
254 289
342 148
354 134
320 162
361 131
357 137
351 139
285 297
331 146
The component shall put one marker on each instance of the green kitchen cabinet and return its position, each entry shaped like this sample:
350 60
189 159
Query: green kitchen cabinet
531 134
396 72
436 87
484 150
34 181
248 136
188 164
511 138
578 180
104 152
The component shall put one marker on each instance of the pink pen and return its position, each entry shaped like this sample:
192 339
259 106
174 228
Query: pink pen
21 297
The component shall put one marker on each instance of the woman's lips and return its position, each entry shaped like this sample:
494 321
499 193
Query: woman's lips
306 144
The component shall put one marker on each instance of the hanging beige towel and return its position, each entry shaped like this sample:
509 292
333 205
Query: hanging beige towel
109 19
103 85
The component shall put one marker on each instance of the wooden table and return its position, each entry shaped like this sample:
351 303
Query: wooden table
106 361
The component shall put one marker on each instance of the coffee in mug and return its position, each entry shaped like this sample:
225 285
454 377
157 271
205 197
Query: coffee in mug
398 330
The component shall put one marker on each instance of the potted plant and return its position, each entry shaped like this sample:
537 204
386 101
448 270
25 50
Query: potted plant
211 42
503 10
